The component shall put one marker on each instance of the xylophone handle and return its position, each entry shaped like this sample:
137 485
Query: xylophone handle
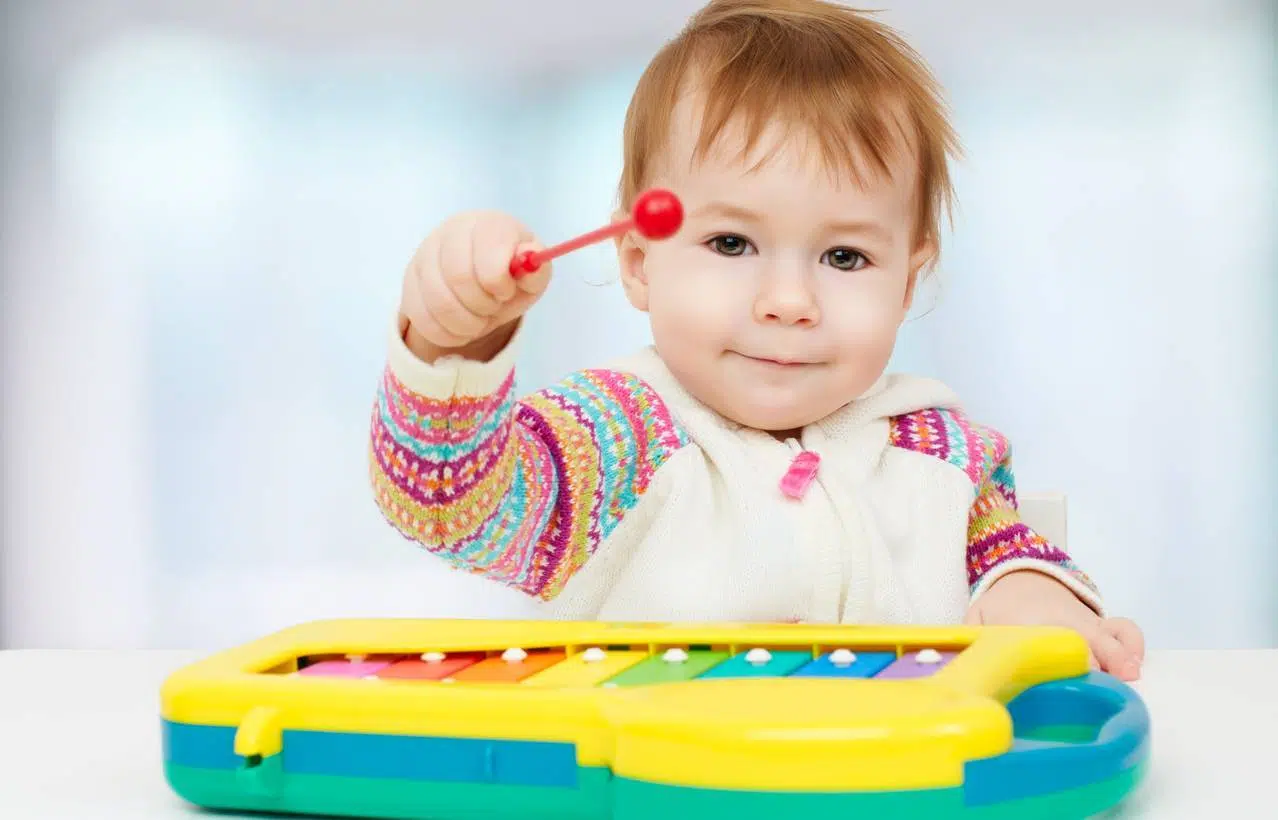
1110 713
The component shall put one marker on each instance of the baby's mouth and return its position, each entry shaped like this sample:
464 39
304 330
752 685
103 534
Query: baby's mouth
785 362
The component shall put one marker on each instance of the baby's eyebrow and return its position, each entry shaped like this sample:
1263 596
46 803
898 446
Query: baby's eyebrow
860 227
873 230
727 209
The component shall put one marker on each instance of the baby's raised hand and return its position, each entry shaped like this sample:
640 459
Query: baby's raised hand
459 297
1033 598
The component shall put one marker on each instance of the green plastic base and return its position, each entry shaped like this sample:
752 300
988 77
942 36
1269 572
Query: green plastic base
600 797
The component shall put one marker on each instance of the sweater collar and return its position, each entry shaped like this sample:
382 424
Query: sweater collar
848 442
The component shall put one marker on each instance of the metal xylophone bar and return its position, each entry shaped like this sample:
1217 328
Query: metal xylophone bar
615 667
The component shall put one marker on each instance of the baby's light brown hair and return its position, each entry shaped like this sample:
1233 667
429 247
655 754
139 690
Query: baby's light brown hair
849 80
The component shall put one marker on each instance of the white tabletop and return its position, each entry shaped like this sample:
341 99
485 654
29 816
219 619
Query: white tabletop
80 733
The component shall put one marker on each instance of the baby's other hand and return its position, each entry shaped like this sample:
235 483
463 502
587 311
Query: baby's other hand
459 297
1034 598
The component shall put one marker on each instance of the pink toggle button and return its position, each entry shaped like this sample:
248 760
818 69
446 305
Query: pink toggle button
801 474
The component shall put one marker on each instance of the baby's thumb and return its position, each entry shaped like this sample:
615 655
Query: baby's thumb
531 274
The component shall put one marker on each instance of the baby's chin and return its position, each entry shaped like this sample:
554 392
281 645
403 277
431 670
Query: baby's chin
762 400
780 417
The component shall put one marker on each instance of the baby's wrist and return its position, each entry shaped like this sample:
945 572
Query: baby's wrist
483 349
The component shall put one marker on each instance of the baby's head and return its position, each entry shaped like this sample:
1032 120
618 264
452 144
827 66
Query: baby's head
810 147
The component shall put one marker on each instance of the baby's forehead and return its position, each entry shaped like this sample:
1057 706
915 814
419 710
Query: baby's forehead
701 144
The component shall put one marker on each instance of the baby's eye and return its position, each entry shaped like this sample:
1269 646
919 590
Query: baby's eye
729 245
844 259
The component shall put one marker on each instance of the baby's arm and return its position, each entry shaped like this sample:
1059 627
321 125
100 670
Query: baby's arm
520 491
1000 547
1043 585
999 542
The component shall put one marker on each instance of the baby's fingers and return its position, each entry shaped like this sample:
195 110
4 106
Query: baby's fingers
494 243
417 309
1128 634
1113 657
447 310
536 281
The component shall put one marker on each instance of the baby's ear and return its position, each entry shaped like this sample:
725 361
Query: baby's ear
920 264
632 250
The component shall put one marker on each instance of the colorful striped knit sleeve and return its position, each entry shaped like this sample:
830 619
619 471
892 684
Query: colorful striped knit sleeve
998 540
519 491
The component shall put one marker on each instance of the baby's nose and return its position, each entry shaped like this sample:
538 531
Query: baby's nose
787 300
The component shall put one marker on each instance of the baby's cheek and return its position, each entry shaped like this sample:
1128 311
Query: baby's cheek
869 330
679 320
695 311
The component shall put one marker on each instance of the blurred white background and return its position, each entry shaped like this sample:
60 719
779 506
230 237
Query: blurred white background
207 207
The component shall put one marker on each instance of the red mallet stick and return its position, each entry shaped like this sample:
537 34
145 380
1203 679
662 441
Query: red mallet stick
657 215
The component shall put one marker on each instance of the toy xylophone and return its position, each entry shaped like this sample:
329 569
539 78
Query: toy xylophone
456 720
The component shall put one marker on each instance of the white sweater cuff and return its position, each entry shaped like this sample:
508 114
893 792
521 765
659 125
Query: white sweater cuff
449 376
1084 592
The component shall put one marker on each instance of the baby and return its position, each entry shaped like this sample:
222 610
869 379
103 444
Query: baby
809 147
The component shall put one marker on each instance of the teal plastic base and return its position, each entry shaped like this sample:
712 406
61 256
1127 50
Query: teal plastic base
601 797
392 799
642 801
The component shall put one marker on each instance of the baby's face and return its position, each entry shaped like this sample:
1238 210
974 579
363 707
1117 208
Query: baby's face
779 299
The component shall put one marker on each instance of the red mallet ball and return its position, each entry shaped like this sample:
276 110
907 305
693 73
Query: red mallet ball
658 214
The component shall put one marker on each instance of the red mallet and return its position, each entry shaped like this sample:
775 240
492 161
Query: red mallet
657 215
